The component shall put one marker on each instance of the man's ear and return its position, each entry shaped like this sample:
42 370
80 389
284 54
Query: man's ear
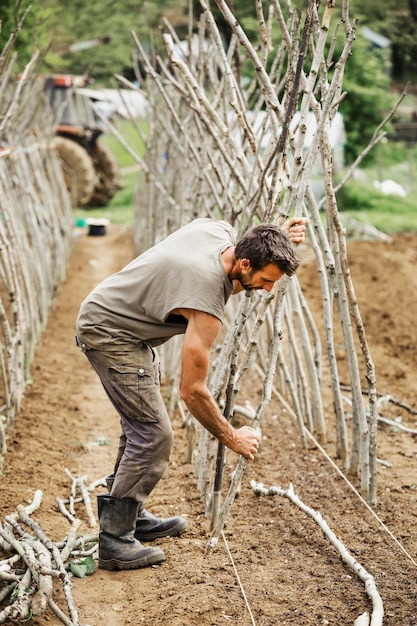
245 264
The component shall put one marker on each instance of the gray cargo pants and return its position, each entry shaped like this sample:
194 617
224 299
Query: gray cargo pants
131 378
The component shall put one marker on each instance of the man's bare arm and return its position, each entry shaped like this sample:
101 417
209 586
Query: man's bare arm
202 330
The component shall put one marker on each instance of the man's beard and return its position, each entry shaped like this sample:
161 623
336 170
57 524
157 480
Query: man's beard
246 282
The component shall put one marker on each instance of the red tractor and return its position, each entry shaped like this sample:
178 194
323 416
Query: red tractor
90 169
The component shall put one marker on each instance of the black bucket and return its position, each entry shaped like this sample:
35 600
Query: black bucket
97 227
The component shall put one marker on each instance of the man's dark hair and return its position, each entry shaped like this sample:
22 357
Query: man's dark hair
265 244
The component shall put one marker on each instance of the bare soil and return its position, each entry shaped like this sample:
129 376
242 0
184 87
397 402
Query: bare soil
277 555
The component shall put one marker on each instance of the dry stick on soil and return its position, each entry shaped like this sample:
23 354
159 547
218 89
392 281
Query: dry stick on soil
6 564
60 614
8 590
66 579
388 398
79 483
399 426
24 547
383 402
29 508
362 620
71 541
20 609
63 509
357 568
45 584
37 570
87 501
9 576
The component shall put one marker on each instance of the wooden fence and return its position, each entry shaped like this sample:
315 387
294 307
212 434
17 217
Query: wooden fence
35 230
239 150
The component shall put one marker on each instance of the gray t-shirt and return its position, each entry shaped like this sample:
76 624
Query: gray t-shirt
184 270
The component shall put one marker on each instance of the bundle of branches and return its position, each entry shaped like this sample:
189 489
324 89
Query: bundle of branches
35 226
33 563
237 132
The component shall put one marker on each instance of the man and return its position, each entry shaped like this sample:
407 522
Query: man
179 286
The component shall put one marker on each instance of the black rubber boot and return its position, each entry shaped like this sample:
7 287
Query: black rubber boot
149 527
109 482
117 547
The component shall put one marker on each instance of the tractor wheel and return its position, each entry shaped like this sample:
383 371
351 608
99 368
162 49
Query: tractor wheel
107 175
78 169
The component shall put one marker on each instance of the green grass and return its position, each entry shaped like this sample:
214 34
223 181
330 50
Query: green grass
360 199
397 219
131 136
389 213
120 208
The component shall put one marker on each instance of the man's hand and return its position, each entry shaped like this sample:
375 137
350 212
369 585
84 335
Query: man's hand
295 228
246 443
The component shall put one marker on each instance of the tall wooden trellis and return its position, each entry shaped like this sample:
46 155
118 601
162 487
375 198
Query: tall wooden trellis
220 146
36 227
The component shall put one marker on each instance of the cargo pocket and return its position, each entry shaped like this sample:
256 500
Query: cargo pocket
135 392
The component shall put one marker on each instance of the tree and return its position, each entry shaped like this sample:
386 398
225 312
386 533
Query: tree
79 22
10 11
396 20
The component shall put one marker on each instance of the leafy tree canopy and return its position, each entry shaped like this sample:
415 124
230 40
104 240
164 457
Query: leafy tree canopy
396 20
11 15
55 25
58 23
82 22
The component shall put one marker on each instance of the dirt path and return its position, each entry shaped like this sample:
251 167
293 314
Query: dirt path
288 571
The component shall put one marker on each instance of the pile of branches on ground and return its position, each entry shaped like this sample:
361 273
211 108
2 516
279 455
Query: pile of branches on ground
35 567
